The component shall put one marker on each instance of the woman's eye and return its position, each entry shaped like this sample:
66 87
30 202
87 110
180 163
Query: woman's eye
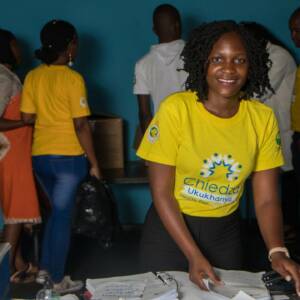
240 60
215 60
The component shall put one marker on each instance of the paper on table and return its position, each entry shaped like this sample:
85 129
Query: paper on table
235 281
154 288
189 291
242 296
128 289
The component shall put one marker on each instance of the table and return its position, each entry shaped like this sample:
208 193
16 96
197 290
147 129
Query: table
134 172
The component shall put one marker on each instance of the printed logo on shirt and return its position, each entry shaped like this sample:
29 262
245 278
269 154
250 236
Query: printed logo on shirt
231 167
211 187
83 102
153 133
278 139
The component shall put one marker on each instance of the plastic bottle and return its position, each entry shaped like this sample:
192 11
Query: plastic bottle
47 293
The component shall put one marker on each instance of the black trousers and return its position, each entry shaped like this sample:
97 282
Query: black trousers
290 196
219 240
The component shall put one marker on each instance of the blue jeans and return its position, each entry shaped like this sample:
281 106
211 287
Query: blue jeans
59 176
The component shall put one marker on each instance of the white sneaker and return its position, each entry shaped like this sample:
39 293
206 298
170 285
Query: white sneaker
41 276
67 286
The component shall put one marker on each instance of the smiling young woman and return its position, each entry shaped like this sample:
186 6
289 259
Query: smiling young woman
226 74
208 141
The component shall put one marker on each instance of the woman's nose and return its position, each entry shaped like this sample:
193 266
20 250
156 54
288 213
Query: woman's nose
229 67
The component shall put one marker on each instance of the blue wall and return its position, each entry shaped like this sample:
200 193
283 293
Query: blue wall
113 35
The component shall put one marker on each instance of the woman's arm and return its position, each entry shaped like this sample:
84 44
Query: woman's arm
268 212
162 179
83 132
145 115
6 124
27 118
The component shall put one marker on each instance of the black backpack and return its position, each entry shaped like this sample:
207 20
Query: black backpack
96 212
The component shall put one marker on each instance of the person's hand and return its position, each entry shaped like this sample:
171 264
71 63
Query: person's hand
95 172
199 269
287 268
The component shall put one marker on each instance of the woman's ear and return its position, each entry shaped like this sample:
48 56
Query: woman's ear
72 49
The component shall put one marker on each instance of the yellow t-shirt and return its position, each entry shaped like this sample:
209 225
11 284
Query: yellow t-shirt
213 156
296 104
56 94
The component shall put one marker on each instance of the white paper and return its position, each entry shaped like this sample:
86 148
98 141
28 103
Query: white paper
239 285
236 281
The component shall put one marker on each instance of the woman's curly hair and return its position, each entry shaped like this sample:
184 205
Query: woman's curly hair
197 50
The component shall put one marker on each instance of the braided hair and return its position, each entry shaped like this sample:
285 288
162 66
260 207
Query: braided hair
55 38
197 50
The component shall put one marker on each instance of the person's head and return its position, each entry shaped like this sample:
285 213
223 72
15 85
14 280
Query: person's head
262 33
10 54
224 55
59 40
166 23
294 25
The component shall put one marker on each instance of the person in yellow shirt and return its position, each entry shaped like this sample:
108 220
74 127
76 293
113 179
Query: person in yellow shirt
202 145
54 96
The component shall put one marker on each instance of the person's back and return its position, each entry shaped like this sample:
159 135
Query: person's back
55 97
282 76
51 88
159 69
159 73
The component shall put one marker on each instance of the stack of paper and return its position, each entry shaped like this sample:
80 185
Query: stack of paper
142 286
238 285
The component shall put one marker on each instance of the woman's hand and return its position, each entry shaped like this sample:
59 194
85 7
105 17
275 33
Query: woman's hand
199 269
95 172
287 268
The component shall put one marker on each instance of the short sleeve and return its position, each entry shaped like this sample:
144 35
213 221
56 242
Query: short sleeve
77 96
141 85
27 101
162 138
5 92
269 152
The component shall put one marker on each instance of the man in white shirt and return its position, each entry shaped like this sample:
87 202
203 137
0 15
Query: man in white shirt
282 77
159 73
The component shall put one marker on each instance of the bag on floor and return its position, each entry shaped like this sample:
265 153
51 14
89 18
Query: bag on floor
96 213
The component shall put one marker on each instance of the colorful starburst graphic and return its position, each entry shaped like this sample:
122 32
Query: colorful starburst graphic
226 161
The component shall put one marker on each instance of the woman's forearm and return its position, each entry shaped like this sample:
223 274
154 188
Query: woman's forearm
169 212
84 135
267 206
6 124
162 180
269 218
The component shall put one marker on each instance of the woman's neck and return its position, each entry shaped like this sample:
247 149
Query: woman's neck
61 60
222 107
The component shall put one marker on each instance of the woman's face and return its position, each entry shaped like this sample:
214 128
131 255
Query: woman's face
227 67
295 30
16 51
